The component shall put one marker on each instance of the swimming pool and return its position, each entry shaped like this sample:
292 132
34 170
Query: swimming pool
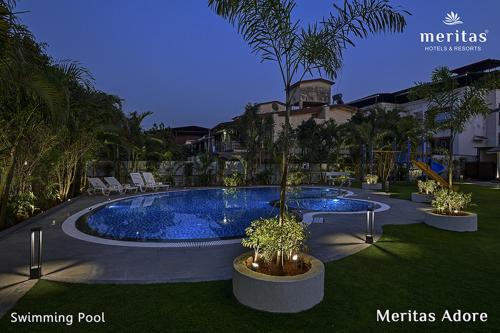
203 214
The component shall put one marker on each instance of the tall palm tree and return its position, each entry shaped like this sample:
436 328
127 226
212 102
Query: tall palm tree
274 33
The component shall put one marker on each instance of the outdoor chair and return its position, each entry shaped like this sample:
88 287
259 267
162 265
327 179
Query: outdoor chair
139 182
96 185
340 178
114 183
150 180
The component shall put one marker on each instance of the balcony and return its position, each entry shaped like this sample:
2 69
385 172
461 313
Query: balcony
229 147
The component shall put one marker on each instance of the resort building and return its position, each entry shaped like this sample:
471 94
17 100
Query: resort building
310 99
479 143
185 134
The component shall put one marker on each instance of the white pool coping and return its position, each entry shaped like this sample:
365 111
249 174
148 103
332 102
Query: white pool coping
70 229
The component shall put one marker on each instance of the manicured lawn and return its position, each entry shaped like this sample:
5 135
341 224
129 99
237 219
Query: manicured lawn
412 267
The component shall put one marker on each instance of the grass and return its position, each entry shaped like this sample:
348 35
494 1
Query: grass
413 267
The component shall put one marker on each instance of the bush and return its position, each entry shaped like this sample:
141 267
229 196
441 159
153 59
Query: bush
233 180
267 238
449 202
371 179
23 206
427 186
296 178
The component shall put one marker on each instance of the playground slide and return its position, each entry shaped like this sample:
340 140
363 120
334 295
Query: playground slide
436 167
431 173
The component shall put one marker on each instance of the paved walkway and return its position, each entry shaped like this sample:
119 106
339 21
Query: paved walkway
72 260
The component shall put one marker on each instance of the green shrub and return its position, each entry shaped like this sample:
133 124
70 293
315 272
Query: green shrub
371 179
296 178
23 206
267 238
427 186
449 202
232 180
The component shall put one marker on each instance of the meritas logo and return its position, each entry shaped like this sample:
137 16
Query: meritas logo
452 19
458 40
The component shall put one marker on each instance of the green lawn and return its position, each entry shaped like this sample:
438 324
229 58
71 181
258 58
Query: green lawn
412 267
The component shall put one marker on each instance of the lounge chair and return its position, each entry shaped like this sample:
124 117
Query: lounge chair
96 185
150 180
139 182
114 183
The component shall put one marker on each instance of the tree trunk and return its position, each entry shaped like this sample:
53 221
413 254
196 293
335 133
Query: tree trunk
450 161
284 161
6 190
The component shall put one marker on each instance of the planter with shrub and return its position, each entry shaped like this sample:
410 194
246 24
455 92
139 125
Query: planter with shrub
425 191
449 213
278 276
371 183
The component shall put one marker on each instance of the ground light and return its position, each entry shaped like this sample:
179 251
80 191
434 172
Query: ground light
370 221
36 253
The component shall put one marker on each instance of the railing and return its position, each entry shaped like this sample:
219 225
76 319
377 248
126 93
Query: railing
232 146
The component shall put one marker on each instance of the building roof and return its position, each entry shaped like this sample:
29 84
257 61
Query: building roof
312 80
270 102
190 129
464 76
226 124
317 109
480 66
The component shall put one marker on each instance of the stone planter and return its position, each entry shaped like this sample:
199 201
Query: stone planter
422 198
371 187
280 294
453 223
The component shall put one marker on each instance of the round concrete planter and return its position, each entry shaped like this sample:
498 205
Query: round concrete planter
422 198
280 294
371 187
453 223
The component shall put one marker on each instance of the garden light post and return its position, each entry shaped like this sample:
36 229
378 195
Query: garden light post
36 253
370 220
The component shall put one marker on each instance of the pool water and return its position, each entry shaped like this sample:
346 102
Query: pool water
202 214
330 204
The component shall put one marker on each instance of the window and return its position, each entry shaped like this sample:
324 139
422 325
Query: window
439 145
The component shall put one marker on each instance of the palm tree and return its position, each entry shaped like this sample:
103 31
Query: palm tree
273 32
26 94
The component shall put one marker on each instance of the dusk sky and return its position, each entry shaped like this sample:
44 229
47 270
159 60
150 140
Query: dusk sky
190 67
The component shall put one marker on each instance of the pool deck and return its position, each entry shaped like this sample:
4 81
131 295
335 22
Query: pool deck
71 260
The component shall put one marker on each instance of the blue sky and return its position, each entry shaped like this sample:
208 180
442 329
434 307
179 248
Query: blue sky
190 67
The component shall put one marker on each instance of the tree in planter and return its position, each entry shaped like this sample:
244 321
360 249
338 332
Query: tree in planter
450 108
271 30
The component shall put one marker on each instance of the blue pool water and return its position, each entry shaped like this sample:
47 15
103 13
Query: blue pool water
329 204
202 214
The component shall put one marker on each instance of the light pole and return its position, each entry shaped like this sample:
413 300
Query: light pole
36 253
370 221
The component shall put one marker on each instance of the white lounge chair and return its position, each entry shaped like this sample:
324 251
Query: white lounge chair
150 180
96 185
139 182
114 183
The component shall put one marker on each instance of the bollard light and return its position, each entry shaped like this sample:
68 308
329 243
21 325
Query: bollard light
370 221
36 253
